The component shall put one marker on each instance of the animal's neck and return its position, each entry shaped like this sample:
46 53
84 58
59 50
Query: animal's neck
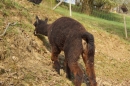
48 29
45 31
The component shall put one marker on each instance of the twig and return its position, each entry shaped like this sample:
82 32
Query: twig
7 28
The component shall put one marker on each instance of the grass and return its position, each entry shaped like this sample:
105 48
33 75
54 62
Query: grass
8 4
107 15
106 67
96 13
112 27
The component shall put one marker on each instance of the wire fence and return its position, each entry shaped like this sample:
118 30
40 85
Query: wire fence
107 15
101 14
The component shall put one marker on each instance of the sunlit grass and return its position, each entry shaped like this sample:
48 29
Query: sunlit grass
111 68
112 27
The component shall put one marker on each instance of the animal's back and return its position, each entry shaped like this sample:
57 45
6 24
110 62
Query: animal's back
64 29
66 23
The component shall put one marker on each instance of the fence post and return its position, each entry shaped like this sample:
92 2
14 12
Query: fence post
125 26
70 8
58 4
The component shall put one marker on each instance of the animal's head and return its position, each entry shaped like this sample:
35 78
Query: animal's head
40 26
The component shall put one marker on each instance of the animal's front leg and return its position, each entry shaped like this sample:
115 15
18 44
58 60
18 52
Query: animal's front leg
54 58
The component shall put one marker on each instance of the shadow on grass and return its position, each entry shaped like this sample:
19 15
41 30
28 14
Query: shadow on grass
45 42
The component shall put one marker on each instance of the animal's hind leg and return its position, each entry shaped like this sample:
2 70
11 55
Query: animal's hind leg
67 69
72 57
89 63
78 74
54 58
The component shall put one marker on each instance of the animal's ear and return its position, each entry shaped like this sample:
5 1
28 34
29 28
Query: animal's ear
46 20
37 19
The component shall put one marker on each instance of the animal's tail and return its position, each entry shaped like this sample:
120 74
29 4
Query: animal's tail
88 57
89 38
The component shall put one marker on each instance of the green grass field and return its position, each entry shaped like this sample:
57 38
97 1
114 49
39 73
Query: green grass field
113 27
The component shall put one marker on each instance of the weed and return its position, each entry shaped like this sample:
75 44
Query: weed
6 13
8 3
1 5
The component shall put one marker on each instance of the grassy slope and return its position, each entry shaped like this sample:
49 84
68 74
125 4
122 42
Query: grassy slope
112 51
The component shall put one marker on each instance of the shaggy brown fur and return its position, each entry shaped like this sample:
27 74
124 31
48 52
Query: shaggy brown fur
66 34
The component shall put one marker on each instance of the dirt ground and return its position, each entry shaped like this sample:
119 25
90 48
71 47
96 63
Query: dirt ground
25 58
